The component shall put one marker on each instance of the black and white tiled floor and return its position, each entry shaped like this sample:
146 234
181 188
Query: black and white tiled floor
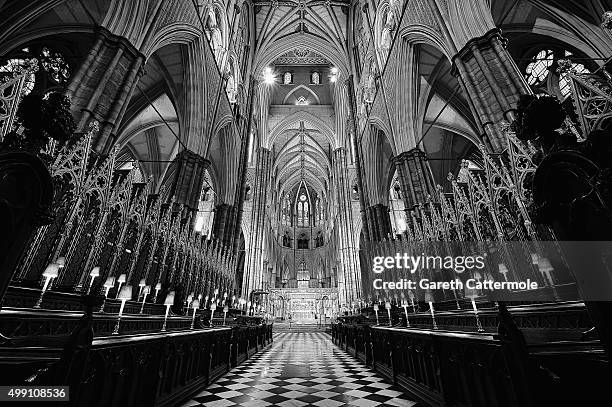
301 369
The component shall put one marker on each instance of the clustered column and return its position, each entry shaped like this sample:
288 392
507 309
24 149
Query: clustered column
101 88
415 178
189 178
351 273
490 77
254 269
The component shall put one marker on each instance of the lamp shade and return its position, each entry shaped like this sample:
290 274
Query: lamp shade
169 298
121 278
110 281
375 307
142 282
61 261
95 272
158 286
189 298
502 268
544 264
225 309
51 270
146 289
216 291
195 304
125 293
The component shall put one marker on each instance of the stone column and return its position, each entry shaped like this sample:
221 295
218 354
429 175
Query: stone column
492 82
254 271
380 221
223 223
415 177
348 256
101 88
187 186
353 133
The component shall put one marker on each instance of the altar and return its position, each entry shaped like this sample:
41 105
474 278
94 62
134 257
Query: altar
303 305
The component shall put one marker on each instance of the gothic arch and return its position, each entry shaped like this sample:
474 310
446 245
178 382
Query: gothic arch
306 117
307 88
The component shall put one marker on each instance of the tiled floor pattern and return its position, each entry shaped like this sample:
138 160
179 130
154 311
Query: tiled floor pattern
301 369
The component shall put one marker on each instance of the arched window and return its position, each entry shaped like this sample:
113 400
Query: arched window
287 78
537 70
53 69
315 78
542 74
302 211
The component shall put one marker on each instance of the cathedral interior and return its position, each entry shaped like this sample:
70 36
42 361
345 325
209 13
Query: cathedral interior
213 203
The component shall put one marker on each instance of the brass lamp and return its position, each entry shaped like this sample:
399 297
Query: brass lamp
108 284
195 304
168 302
95 272
146 291
49 274
124 295
120 280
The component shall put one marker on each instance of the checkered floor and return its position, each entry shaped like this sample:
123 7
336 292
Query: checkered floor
301 369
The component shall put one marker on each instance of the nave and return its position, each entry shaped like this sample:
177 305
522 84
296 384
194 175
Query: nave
301 369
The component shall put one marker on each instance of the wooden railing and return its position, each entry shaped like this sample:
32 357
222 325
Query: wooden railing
160 369
501 367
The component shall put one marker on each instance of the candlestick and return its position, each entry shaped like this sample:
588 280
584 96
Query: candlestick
388 307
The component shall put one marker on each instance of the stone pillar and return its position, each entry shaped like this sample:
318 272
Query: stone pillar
101 88
187 186
380 221
348 256
253 270
415 177
223 223
353 133
492 82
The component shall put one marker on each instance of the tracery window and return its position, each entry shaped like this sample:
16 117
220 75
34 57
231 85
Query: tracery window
537 70
53 68
302 211
541 73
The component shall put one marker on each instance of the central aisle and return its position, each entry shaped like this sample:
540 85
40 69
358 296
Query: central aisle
301 369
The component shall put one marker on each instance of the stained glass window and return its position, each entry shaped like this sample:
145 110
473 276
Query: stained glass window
288 78
538 68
